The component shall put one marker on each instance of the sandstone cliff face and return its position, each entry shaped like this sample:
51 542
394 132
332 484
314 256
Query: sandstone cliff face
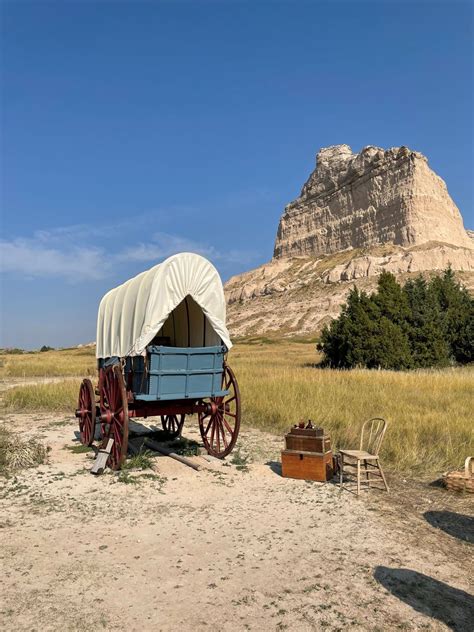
357 215
367 199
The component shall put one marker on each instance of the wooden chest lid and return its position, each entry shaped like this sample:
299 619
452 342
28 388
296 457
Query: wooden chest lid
307 432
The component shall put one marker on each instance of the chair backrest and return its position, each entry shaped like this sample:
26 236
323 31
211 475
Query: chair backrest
372 435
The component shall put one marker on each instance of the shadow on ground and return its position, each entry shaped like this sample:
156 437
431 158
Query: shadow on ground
275 467
457 525
454 607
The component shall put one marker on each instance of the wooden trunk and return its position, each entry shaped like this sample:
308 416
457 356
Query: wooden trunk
308 443
308 440
310 466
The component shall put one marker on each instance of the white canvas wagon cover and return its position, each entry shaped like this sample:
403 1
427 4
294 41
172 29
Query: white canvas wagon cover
133 313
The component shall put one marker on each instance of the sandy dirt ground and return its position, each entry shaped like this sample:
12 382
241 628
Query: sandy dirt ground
225 548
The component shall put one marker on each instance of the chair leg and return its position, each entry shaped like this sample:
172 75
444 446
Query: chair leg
366 473
358 477
341 470
382 475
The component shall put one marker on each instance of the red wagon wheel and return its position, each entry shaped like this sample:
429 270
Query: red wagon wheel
173 425
86 412
114 414
220 428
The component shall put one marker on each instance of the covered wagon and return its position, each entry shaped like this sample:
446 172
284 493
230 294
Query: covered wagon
162 346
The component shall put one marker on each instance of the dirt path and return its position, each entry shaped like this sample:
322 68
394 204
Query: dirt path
224 548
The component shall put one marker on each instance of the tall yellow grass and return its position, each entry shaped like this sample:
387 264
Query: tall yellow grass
69 362
53 397
429 412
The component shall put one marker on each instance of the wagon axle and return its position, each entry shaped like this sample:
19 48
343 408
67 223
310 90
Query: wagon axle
204 408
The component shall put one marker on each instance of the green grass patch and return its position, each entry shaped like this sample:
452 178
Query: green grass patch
141 461
124 477
78 449
239 460
184 447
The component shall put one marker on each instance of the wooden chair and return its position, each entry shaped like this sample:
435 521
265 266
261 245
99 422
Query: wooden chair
368 453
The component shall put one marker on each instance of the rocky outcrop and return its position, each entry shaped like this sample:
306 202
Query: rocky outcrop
295 297
431 257
367 199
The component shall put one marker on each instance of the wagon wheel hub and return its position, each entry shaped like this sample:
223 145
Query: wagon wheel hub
108 416
82 412
220 423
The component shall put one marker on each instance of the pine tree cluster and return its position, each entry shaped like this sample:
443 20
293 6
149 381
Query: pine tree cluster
422 324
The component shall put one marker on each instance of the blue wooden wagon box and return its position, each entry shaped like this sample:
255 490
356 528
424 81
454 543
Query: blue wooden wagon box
176 373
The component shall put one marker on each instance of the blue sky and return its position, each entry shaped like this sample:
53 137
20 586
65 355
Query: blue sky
133 130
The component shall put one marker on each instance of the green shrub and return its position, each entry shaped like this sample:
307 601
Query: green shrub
423 324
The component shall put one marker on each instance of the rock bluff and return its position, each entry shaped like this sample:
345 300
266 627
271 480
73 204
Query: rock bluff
367 199
357 215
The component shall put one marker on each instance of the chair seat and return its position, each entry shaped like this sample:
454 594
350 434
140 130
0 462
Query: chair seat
360 455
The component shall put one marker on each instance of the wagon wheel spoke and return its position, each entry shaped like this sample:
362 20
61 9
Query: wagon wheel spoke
213 430
114 408
173 425
218 440
223 424
234 415
86 408
229 429
208 425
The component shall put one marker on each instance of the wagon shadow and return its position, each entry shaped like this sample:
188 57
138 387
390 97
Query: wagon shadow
457 525
453 607
78 444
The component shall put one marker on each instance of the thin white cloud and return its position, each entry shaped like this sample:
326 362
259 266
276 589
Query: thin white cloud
31 258
65 253
162 245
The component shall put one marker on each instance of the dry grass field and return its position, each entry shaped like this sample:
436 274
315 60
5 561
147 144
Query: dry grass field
430 412
235 546
67 362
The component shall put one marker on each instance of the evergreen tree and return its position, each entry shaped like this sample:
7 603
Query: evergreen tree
393 347
390 299
425 328
457 310
423 324
363 337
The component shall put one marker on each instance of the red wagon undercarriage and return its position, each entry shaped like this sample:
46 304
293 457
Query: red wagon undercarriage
112 405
